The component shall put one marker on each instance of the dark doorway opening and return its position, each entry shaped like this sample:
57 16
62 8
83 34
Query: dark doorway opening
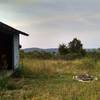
6 51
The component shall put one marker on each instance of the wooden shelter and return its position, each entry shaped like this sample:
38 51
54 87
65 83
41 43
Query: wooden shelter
9 47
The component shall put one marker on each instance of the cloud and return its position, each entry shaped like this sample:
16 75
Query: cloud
53 19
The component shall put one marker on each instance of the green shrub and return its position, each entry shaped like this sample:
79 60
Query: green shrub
3 83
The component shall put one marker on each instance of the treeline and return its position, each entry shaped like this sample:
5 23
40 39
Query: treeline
36 55
74 50
48 55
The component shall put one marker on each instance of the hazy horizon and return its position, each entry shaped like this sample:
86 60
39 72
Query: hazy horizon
52 48
52 22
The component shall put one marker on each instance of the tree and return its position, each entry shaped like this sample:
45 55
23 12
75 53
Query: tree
75 45
63 50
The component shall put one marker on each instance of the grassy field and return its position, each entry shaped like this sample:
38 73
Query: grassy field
52 80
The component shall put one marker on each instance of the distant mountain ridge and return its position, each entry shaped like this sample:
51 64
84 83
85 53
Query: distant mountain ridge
40 49
51 50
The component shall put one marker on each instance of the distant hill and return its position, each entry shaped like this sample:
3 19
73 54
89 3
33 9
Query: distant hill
92 50
51 50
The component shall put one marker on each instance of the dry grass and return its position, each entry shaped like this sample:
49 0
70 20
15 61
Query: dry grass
53 80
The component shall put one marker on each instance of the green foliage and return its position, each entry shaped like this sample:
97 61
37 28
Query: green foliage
70 56
3 83
63 50
75 45
37 55
74 49
94 55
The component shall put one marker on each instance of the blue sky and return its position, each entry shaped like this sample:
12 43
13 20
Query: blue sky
51 22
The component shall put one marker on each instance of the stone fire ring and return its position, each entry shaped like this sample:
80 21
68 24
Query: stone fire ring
84 78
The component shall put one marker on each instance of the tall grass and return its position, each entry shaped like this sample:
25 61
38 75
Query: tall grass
51 67
53 80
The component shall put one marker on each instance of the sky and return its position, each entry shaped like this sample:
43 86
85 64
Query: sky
52 22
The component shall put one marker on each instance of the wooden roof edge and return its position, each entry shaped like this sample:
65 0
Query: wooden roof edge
11 28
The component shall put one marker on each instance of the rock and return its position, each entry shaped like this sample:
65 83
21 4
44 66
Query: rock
85 77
